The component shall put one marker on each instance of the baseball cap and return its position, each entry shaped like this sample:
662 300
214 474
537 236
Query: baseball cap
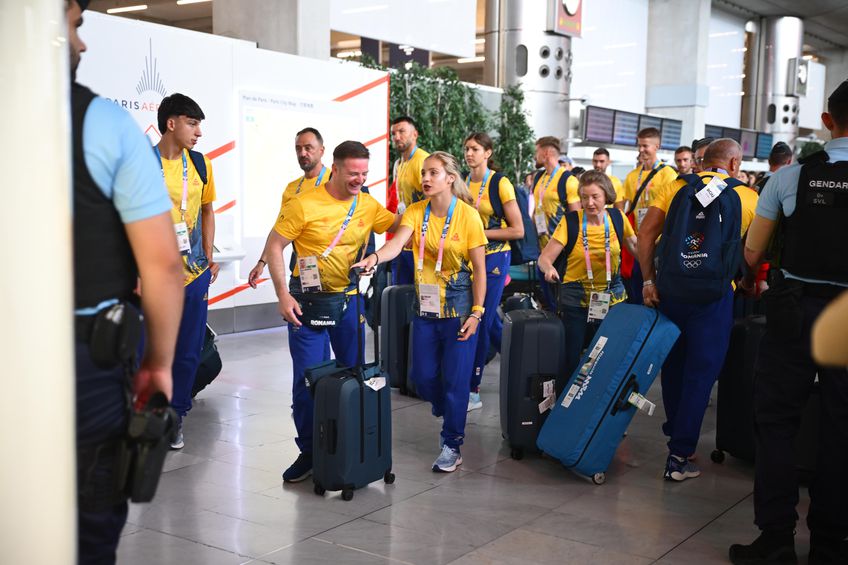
565 159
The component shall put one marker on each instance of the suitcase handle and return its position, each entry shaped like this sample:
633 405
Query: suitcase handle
622 403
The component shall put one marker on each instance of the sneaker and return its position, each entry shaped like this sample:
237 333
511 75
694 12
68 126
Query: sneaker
770 548
449 459
680 469
300 469
474 402
179 441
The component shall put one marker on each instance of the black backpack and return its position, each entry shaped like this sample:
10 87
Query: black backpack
525 249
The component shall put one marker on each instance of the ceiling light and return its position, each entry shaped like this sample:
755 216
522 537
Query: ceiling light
184 2
138 8
349 54
470 60
480 41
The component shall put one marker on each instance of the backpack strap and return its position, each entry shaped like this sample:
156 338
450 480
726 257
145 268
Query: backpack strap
645 185
617 218
572 225
561 189
199 164
495 195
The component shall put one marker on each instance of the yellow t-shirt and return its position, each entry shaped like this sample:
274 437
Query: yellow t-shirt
408 176
547 190
454 280
195 262
665 194
487 213
619 190
634 180
312 219
301 184
575 270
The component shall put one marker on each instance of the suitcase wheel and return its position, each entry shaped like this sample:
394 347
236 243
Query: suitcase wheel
347 494
319 490
516 453
599 478
389 477
717 456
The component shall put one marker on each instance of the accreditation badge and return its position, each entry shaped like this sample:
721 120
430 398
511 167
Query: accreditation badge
183 243
310 277
541 222
599 305
429 300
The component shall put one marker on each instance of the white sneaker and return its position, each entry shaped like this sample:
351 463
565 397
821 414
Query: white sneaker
447 462
474 401
179 441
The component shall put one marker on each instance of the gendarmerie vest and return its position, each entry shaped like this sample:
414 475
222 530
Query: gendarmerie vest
104 266
813 233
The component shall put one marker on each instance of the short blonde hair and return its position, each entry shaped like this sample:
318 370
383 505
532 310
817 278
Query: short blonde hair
600 179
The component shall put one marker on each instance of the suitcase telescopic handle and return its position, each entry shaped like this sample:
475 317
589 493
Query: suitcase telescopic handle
621 403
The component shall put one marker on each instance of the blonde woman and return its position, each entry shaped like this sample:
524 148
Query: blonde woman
449 251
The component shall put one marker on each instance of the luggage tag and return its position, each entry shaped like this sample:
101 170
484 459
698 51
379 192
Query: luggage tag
710 192
599 305
550 398
429 298
541 222
376 383
576 390
181 229
310 277
641 403
640 215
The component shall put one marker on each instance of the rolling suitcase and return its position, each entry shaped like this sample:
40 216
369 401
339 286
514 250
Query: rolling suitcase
518 301
396 313
591 415
735 402
352 440
532 372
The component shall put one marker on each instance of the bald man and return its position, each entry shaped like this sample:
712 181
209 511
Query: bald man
702 307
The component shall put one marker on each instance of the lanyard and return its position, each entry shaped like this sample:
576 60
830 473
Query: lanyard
317 183
544 190
445 229
642 170
718 170
482 186
342 229
589 272
184 201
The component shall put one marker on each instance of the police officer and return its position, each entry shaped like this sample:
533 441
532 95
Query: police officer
122 229
779 157
329 227
806 203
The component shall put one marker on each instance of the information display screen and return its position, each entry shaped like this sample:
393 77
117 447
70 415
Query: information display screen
649 122
732 133
626 126
713 131
671 131
749 144
764 145
599 124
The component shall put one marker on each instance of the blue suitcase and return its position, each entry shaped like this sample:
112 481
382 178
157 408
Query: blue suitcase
593 412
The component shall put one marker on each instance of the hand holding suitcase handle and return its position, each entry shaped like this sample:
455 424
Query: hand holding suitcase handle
622 402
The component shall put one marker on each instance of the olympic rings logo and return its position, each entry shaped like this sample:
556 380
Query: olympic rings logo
692 264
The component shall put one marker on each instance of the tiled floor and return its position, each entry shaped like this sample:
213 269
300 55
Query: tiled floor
221 499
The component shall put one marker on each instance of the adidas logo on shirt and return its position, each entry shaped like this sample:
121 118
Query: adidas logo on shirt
700 216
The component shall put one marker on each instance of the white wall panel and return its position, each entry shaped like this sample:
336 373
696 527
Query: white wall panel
724 69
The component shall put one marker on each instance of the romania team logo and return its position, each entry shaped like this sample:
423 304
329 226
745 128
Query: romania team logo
694 241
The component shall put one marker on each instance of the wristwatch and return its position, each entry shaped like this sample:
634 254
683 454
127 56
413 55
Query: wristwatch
648 282
478 309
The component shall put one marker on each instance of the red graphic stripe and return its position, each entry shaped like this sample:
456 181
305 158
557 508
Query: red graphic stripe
225 207
221 150
233 291
362 89
373 184
376 140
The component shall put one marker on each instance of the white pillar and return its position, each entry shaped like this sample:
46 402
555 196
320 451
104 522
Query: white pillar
37 477
678 50
299 27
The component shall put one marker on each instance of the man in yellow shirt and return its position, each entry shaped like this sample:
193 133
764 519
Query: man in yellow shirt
554 194
407 175
309 148
188 177
701 237
601 162
639 188
329 227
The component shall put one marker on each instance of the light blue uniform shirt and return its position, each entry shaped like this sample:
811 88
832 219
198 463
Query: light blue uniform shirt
121 162
780 192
